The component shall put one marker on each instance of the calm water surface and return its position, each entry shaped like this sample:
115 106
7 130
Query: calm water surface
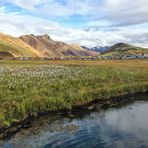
122 127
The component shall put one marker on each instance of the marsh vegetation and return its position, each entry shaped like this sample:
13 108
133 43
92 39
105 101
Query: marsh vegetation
30 87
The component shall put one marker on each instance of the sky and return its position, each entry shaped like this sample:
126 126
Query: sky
84 22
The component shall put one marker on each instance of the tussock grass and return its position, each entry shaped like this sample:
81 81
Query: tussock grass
29 87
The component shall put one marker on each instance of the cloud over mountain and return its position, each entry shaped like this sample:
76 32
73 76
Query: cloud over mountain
85 22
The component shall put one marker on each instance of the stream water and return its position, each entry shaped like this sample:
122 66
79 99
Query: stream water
124 126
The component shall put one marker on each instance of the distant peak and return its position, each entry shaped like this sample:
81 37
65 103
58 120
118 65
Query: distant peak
32 35
45 36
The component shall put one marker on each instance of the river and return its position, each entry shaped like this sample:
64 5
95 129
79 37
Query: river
123 126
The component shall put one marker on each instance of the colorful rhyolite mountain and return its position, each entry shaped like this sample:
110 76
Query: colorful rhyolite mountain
50 48
39 46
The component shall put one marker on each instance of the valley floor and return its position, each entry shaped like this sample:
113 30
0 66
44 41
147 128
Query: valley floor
30 87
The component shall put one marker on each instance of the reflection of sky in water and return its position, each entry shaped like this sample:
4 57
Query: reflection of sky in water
118 128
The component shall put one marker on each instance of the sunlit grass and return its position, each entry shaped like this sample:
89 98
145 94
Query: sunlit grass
29 87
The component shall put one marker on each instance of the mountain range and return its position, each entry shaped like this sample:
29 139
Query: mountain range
42 46
97 48
39 46
50 48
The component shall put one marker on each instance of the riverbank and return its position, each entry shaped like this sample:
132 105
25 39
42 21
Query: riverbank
95 105
124 120
32 88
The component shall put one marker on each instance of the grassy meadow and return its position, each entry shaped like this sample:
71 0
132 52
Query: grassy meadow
29 87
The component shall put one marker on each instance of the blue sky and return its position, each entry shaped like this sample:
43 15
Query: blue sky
85 22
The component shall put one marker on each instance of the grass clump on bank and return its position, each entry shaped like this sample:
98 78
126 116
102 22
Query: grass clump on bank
29 87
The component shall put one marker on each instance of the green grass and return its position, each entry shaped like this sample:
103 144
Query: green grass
29 87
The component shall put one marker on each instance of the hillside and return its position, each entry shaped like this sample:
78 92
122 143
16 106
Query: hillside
50 48
124 50
15 47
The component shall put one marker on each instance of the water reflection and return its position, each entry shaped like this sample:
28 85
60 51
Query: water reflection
123 127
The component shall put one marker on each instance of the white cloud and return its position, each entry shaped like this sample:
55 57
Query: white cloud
109 21
126 12
17 24
60 8
117 12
